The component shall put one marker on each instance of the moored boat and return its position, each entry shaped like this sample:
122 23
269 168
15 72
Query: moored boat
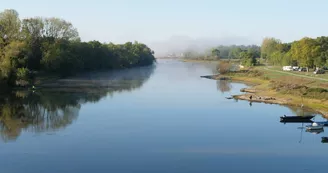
314 126
296 121
309 117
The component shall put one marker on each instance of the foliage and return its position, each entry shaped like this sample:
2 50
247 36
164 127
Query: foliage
248 58
216 53
52 45
307 52
224 67
221 52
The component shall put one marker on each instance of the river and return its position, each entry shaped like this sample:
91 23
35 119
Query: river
160 119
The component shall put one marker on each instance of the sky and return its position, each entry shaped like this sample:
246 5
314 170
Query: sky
155 21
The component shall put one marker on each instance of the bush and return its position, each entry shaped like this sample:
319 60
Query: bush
22 77
22 73
224 67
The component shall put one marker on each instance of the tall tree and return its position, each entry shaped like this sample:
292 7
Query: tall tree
10 25
216 53
235 52
60 29
305 51
269 45
32 31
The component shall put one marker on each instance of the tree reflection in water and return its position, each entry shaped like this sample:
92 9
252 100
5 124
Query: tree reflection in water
52 109
224 86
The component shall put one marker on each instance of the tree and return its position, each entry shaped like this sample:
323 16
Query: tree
13 57
52 45
32 31
234 53
216 53
10 25
269 45
59 29
305 51
248 58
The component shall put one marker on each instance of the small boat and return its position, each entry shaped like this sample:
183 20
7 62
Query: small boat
296 117
314 126
229 98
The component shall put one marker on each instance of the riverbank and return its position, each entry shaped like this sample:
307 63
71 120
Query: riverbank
282 91
209 61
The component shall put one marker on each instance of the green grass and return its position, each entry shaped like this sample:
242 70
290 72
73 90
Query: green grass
311 80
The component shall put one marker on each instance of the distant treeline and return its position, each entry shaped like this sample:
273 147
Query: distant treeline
307 52
53 46
247 53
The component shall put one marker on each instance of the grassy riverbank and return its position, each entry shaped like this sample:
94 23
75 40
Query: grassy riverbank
286 89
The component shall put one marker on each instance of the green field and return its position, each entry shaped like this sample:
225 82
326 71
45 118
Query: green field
305 78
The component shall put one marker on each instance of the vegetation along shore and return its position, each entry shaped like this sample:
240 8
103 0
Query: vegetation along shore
272 87
39 49
262 68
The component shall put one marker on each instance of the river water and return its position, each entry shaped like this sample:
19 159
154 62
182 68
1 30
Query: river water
160 119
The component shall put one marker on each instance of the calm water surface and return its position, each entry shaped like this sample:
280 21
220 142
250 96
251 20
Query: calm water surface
163 119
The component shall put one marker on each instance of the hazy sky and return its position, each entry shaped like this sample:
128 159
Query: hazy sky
156 20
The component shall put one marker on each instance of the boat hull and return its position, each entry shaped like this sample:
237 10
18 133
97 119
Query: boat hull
296 121
314 127
295 118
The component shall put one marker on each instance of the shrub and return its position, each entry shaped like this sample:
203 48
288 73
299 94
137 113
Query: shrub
22 77
224 67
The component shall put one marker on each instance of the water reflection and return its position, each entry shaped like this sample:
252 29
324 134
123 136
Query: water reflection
53 109
223 86
310 126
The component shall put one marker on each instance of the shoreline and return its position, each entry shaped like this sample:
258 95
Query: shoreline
261 93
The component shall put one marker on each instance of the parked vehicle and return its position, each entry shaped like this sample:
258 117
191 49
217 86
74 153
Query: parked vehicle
287 68
295 68
320 71
302 69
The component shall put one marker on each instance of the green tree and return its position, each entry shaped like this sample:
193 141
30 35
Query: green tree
235 53
305 52
216 53
248 58
10 25
13 57
59 29
269 45
32 31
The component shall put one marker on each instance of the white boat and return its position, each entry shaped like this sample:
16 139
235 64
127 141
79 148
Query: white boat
314 126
